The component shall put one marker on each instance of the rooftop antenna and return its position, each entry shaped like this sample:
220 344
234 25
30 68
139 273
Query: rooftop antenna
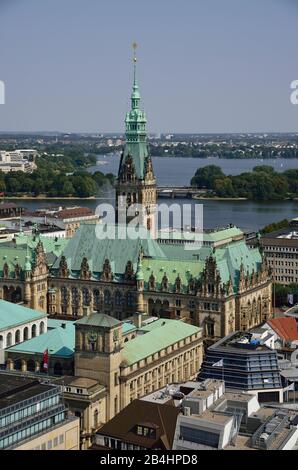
134 45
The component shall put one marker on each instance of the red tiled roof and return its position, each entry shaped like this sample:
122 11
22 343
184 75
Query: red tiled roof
285 327
75 212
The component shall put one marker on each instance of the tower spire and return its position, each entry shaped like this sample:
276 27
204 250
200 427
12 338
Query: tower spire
135 96
134 45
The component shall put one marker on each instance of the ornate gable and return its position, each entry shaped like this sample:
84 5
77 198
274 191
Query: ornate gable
107 274
178 284
63 268
164 283
85 271
17 271
129 272
151 282
5 270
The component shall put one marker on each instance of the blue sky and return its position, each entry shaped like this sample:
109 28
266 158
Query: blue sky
204 65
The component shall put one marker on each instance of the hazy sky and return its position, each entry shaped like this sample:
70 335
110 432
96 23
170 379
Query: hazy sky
204 65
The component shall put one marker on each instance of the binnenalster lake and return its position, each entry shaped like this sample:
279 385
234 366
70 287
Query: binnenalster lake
248 215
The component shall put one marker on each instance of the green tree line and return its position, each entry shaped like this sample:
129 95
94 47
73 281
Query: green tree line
57 175
263 183
222 150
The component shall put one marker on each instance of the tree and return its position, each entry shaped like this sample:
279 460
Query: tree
205 177
68 189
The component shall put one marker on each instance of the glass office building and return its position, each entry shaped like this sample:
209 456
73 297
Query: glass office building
27 408
244 364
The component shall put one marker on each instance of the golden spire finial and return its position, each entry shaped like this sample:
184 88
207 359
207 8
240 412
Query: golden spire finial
134 45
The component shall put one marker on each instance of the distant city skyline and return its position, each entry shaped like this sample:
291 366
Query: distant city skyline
203 67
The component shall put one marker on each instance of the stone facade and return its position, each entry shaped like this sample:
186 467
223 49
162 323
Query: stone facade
128 372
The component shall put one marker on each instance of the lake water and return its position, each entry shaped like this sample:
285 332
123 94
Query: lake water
177 171
248 215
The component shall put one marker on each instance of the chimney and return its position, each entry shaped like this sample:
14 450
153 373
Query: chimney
137 320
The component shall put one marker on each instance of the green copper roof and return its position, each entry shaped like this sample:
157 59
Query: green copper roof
59 341
52 245
13 314
172 268
136 135
128 327
98 319
163 334
230 258
21 251
89 242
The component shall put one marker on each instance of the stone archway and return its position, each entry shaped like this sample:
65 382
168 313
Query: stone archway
12 294
57 368
31 365
151 309
25 333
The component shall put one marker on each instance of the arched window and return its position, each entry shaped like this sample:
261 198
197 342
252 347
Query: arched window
75 300
63 295
74 295
8 340
57 368
41 328
17 337
126 339
31 365
33 331
95 419
96 299
86 296
25 333
17 365
107 297
41 302
130 299
118 298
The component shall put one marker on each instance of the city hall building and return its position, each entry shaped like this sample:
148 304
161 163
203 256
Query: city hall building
221 286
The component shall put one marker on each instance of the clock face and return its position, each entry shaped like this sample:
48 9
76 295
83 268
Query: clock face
92 336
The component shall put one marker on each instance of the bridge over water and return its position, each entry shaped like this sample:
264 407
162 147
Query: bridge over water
179 191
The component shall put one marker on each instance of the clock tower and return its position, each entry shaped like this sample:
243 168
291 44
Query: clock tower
98 354
136 183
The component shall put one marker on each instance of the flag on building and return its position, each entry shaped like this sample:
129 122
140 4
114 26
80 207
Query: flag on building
291 299
218 364
45 359
291 386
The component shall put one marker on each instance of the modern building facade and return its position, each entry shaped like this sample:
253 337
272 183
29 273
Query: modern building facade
281 251
197 416
34 417
245 364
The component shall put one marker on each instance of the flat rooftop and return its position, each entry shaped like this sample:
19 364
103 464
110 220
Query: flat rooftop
208 415
240 342
14 389
177 391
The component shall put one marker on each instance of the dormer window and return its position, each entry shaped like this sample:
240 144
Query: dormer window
146 431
